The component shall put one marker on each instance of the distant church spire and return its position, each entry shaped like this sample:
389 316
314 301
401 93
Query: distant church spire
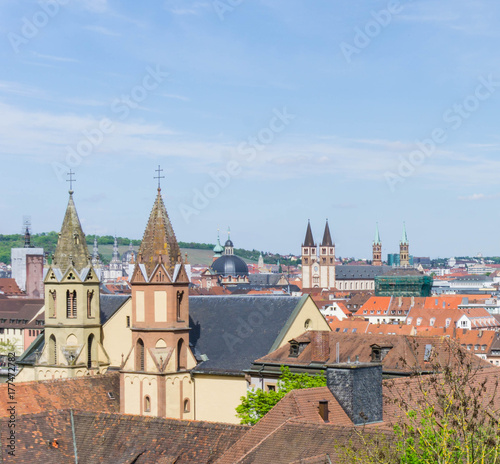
377 249
218 250
404 238
327 238
71 246
404 249
377 240
309 241
95 253
228 246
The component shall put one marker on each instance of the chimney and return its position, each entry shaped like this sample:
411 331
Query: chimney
323 410
358 389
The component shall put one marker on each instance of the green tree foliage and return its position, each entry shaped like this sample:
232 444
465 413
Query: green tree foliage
48 241
7 346
452 419
258 403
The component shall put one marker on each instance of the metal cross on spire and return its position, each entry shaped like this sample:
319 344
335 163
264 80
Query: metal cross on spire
70 180
159 170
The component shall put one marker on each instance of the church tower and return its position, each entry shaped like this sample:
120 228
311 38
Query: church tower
228 246
310 266
155 375
377 249
115 265
327 260
96 260
73 335
404 249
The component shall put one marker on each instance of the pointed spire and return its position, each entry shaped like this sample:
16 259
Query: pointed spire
309 241
159 242
377 240
327 238
71 246
228 246
404 238
96 248
218 250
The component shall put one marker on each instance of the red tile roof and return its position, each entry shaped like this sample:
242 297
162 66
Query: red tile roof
86 393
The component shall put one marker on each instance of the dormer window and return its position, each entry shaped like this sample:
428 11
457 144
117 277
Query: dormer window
376 354
294 350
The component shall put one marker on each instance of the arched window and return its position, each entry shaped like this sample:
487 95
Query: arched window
90 295
139 356
186 405
181 363
71 304
52 303
52 350
147 404
89 351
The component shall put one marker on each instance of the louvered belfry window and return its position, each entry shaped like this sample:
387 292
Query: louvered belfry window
71 304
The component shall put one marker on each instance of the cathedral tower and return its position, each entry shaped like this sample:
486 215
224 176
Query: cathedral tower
73 335
310 267
404 249
377 249
155 375
327 260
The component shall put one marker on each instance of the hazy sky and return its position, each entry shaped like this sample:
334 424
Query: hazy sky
262 114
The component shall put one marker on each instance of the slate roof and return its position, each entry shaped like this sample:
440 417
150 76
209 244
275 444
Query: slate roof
110 304
117 439
267 279
90 393
233 331
359 272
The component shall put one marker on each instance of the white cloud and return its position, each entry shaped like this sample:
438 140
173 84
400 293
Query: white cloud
173 96
479 196
54 58
102 30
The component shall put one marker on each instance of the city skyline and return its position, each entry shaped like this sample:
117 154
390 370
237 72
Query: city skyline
263 115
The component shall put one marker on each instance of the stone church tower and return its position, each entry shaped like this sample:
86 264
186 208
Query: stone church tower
155 374
327 260
310 267
404 249
73 335
318 271
377 249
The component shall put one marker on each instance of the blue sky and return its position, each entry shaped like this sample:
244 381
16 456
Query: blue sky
262 114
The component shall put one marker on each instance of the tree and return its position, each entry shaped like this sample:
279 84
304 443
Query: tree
449 416
8 346
258 403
